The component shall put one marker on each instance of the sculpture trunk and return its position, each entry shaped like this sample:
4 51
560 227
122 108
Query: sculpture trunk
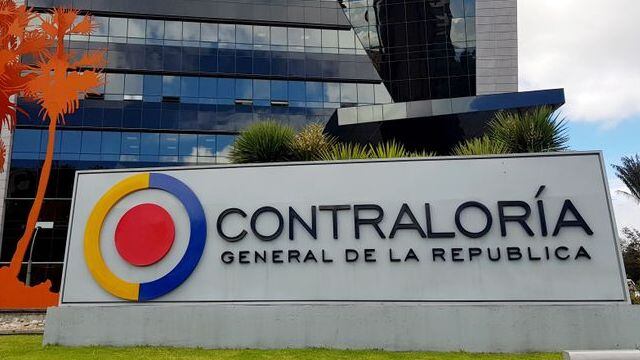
34 213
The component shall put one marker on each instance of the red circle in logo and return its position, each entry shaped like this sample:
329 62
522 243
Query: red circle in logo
144 234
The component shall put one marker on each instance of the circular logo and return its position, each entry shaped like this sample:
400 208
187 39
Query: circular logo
144 235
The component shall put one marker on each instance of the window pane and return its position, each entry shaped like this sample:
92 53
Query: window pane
206 145
261 35
152 85
279 90
226 88
208 88
136 28
110 142
296 37
70 142
26 141
102 26
90 142
330 38
173 30
227 33
278 36
209 32
314 91
244 34
170 86
347 40
189 87
244 89
261 89
155 29
149 144
191 31
133 84
118 27
313 37
365 94
114 84
297 90
168 144
188 145
349 93
130 143
332 92
224 143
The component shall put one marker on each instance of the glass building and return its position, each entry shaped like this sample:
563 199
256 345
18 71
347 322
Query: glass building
184 77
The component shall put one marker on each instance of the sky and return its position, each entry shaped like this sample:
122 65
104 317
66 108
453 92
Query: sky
591 49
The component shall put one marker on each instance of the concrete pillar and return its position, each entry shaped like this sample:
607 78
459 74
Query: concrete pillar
496 46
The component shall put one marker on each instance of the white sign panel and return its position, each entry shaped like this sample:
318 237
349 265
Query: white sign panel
497 229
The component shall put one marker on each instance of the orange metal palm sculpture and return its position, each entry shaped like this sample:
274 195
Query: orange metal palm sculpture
57 82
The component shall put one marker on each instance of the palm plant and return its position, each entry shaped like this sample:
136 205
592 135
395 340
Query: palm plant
346 151
537 130
266 141
629 173
388 150
479 146
57 82
310 143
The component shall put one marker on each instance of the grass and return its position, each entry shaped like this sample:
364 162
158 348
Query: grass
30 347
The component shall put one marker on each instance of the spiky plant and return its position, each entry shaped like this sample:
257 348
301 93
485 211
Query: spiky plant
479 146
266 141
422 154
537 130
346 151
310 143
629 173
388 150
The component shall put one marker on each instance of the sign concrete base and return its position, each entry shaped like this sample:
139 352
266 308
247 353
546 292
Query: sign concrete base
388 326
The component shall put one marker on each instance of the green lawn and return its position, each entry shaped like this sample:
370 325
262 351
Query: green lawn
30 347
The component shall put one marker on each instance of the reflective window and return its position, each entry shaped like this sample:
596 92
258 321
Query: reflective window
209 32
191 31
137 28
173 30
155 29
244 34
118 27
227 33
313 37
133 84
278 36
261 35
114 83
170 86
329 38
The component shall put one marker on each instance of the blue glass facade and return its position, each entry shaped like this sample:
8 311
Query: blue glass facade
183 80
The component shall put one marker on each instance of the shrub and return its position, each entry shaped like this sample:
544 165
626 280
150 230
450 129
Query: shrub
266 141
310 143
388 150
537 130
479 146
346 151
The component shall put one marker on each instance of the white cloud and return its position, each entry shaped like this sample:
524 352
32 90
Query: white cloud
588 47
627 211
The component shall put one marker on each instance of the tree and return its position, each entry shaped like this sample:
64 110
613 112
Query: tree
629 173
631 253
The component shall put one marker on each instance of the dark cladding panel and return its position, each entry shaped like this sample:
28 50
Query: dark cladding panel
321 13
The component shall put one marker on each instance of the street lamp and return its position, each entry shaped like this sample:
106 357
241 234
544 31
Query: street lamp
39 225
